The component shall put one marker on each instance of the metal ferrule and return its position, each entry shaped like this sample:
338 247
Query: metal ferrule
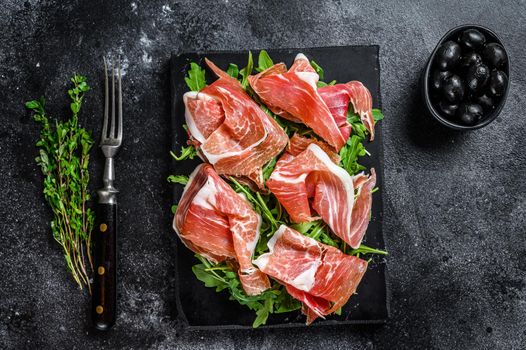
108 193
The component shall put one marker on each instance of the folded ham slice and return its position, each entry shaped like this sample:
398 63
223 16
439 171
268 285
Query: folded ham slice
320 276
337 98
298 144
231 131
217 223
293 94
312 181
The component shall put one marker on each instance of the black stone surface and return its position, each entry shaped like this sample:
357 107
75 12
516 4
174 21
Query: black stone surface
455 203
200 307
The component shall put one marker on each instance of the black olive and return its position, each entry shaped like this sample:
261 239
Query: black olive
448 109
471 59
453 89
467 119
448 55
472 39
494 55
438 78
477 77
470 113
485 102
498 81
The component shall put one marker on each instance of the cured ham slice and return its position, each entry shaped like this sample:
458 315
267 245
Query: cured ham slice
320 276
362 207
337 98
232 132
217 223
298 144
310 184
293 94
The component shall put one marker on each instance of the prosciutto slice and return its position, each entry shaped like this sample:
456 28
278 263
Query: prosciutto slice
310 184
337 98
231 131
298 144
318 275
217 223
293 94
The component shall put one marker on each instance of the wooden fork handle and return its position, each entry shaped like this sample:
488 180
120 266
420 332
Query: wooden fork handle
104 298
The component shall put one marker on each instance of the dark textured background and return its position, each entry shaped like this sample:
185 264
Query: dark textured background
454 202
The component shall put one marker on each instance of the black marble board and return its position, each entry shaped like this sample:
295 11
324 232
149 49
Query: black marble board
200 307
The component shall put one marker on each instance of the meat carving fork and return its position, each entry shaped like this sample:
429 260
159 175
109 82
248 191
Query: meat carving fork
104 297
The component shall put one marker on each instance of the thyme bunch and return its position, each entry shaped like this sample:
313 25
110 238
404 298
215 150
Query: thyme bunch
64 149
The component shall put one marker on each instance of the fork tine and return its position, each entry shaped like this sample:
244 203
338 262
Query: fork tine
112 126
119 106
106 97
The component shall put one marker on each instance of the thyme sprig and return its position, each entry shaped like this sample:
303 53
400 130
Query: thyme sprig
64 149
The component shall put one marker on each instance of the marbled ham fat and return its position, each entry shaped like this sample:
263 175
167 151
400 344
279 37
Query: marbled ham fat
293 94
233 132
318 275
215 222
311 183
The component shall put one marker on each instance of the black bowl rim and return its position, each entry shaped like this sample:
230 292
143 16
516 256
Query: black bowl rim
427 98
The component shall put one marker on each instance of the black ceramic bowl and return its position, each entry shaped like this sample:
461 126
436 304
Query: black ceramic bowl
453 34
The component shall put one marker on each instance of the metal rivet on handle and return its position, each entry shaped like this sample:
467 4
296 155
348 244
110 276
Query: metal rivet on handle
103 227
101 270
99 309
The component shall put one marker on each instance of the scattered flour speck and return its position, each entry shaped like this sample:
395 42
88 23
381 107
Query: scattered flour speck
134 7
166 9
144 40
146 58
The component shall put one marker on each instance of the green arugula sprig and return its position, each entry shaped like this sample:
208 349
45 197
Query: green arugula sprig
178 179
196 79
189 152
64 149
222 277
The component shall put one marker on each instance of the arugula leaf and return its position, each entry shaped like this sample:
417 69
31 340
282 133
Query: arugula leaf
262 313
186 153
196 77
233 70
358 128
256 199
264 61
377 115
349 154
269 168
222 277
317 68
363 249
285 303
178 179
174 208
303 227
322 83
245 72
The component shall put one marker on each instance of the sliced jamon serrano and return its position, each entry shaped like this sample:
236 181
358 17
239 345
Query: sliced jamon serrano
311 184
362 207
293 94
233 133
298 144
337 98
320 276
215 222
